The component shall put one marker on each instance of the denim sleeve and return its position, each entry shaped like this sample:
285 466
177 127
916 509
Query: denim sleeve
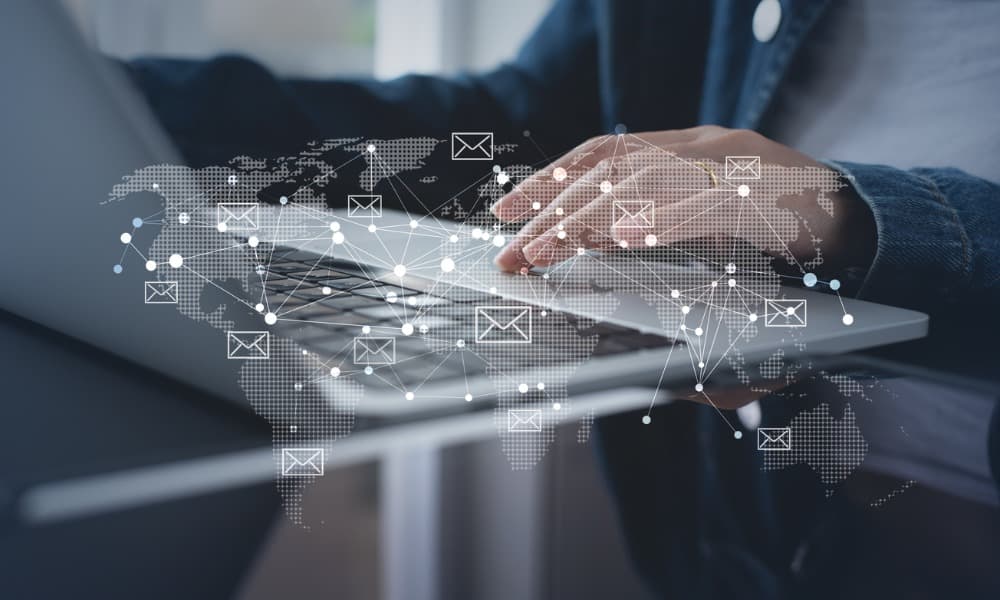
938 237
220 108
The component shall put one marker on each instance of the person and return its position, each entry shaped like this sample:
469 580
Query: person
903 91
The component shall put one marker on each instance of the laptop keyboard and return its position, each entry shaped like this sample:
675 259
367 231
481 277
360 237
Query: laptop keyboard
324 304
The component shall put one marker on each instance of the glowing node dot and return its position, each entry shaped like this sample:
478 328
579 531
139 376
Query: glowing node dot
698 331
651 240
835 284
407 328
371 148
730 268
411 301
305 353
335 372
743 190
715 284
408 395
738 435
453 239
499 241
524 270
176 260
523 388
606 187
372 228
545 313
270 318
685 309
790 311
222 227
424 329
334 226
560 226
414 224
183 218
536 206
468 397
232 180
540 386
559 174
391 297
259 307
698 387
701 365
496 168
502 178
283 200
580 251
366 329
623 244
338 237
556 406
137 222
156 186
399 270
559 210
369 370
493 290
731 282
752 317
150 265
327 290
675 293
117 269
545 275
809 279
561 235
486 236
646 420
298 387
126 238
447 265
460 343
477 233
253 241
848 319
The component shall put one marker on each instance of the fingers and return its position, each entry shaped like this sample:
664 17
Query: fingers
577 195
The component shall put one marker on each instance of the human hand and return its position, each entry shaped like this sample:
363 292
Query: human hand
570 204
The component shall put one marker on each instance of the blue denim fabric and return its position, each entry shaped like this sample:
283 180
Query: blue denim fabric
652 65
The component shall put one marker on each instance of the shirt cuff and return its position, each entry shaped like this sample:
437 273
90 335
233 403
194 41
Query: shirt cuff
923 251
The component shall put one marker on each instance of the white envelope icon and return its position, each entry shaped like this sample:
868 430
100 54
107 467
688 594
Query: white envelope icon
524 419
364 205
472 145
248 345
785 313
503 324
161 292
374 350
302 462
774 438
632 214
238 216
742 167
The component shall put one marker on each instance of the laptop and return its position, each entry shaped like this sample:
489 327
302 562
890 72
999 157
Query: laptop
73 128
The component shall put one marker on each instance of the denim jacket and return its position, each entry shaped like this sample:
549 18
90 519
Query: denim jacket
648 64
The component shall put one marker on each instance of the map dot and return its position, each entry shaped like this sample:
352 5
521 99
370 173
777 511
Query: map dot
283 200
460 343
523 388
698 331
606 187
738 435
468 397
447 265
408 395
399 270
183 218
561 235
126 238
651 240
581 251
259 307
369 370
675 293
536 206
270 318
499 241
496 168
685 309
335 372
540 386
176 260
646 420
848 319
698 387
137 222
327 290
743 190
150 265
372 228
334 226
371 148
117 269
556 406
623 244
222 227
366 330
232 180
730 268
559 173
835 284
731 282
752 317
337 237
809 279
407 328
253 241
453 239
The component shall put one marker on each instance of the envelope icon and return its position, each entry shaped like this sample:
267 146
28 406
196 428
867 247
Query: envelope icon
774 438
524 419
302 462
248 345
503 324
364 205
468 145
161 292
784 313
742 167
632 214
374 350
238 216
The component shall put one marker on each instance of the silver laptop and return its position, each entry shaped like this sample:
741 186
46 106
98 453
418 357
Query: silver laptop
72 129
